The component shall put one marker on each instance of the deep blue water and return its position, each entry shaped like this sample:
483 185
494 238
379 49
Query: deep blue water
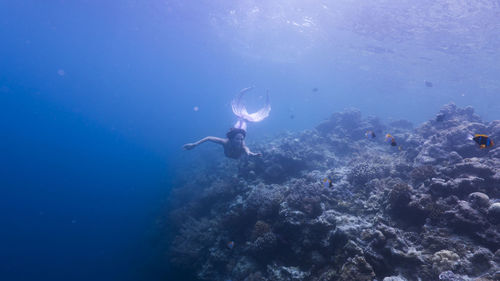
97 98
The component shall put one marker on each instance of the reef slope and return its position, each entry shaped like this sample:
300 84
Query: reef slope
426 209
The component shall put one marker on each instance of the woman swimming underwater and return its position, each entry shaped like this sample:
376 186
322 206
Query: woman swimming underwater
234 143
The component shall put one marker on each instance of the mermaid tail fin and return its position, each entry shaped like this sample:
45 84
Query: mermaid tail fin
241 112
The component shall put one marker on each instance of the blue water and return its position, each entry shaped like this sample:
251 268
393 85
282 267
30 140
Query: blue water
97 98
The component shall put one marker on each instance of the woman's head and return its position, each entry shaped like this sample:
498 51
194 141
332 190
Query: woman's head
236 136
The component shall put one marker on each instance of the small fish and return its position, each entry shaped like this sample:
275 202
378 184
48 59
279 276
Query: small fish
327 182
483 140
292 116
400 148
393 142
230 245
196 108
428 84
314 90
390 139
370 134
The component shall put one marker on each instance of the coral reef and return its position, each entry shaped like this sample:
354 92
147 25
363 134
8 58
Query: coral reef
428 210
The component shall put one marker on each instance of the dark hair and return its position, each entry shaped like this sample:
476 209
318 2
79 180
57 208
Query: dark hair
234 131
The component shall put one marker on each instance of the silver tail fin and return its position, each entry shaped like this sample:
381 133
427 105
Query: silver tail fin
241 112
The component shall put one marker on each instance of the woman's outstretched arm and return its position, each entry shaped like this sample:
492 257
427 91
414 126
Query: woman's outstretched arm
189 146
248 152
